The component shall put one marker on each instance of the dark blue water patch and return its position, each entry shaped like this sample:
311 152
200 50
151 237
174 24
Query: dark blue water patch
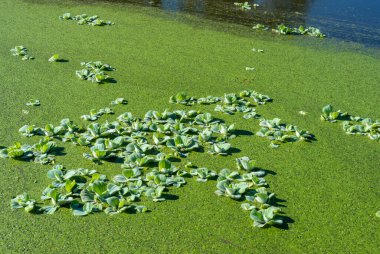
346 20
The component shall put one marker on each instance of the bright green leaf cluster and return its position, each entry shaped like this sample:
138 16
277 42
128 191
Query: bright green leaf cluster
84 19
54 58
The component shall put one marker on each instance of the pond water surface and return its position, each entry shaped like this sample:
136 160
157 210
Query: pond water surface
348 20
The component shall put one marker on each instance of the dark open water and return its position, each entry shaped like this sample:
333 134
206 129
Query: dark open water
348 20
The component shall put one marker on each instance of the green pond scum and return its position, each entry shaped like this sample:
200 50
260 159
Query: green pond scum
328 189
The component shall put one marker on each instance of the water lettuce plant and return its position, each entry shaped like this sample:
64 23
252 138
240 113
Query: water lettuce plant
232 103
363 126
257 50
33 103
332 116
84 19
23 201
260 27
311 31
54 58
21 51
279 132
146 148
182 98
243 6
266 217
353 125
119 101
94 71
203 174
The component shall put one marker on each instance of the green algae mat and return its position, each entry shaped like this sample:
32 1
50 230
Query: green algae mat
327 189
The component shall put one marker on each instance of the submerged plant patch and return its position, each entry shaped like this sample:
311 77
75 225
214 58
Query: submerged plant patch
84 19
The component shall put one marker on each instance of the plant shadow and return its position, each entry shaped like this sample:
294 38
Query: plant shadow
170 197
233 150
59 151
242 133
62 61
110 81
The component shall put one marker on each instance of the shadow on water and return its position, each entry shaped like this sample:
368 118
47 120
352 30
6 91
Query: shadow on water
62 61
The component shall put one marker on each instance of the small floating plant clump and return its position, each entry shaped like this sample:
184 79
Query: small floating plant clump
119 101
243 102
310 31
22 52
42 152
285 30
279 132
328 114
94 71
84 19
95 114
353 125
33 103
243 6
54 58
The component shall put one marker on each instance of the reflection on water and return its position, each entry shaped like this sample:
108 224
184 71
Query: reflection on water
349 20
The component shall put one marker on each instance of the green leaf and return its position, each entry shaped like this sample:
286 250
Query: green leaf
69 185
99 187
113 201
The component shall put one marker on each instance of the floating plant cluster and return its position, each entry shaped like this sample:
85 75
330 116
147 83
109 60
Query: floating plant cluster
33 103
22 52
147 148
84 19
94 71
245 5
310 31
95 114
42 152
233 103
354 125
279 132
285 30
244 102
